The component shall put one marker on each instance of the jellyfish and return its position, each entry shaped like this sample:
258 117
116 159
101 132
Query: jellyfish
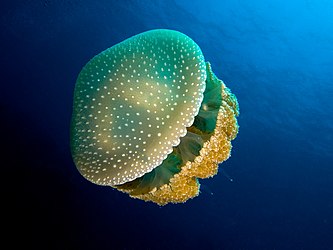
150 118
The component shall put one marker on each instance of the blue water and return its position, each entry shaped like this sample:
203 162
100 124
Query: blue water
276 56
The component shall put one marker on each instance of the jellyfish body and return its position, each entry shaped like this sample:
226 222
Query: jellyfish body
150 118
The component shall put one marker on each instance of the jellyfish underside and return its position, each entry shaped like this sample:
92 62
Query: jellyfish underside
217 101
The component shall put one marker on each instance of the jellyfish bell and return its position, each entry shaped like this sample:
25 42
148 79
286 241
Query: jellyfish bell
138 97
150 118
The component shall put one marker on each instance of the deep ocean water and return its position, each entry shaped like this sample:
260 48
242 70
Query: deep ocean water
276 190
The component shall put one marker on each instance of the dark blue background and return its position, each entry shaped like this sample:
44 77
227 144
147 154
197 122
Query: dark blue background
276 56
